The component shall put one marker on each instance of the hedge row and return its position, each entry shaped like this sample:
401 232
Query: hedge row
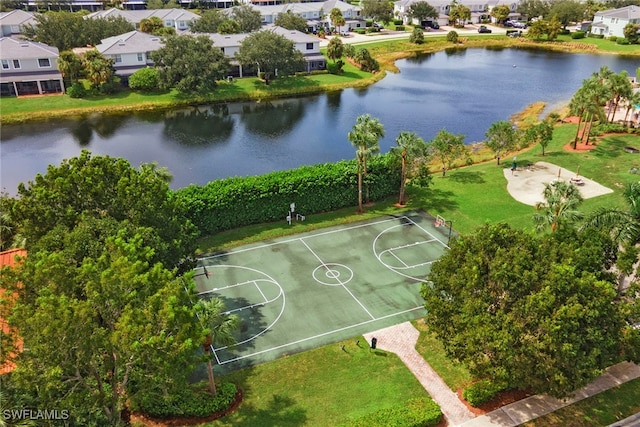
235 202
414 413
188 403
481 392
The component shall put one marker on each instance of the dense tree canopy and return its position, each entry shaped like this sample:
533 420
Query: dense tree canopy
272 53
66 30
95 187
379 10
99 304
422 11
247 17
533 8
291 21
567 11
534 313
501 12
190 64
208 22
459 14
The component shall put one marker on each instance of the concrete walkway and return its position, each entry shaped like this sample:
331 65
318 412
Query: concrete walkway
401 340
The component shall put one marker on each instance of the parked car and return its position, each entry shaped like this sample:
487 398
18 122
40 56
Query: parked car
378 26
483 29
433 25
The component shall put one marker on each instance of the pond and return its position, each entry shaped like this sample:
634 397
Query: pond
462 91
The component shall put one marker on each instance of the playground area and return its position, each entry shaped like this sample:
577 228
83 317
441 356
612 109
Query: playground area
300 292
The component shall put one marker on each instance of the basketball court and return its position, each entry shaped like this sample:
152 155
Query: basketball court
304 291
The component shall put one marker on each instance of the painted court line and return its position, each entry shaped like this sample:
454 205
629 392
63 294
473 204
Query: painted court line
435 238
260 290
338 280
396 256
226 287
266 245
312 337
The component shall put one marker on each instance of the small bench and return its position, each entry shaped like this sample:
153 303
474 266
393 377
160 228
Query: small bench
577 181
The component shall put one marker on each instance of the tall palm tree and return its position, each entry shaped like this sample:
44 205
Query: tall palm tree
365 136
621 88
409 147
632 102
220 327
624 226
560 206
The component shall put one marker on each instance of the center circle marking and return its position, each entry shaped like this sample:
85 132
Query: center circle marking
334 274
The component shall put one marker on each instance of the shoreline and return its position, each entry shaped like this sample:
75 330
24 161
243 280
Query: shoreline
386 58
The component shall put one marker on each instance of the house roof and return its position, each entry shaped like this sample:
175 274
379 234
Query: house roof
227 40
135 16
628 13
293 35
22 49
17 17
232 40
131 42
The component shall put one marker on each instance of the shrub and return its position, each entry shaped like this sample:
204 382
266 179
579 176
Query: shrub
414 413
145 79
417 36
577 35
596 36
613 38
564 32
235 202
397 22
360 31
481 392
187 402
77 90
399 27
452 36
623 41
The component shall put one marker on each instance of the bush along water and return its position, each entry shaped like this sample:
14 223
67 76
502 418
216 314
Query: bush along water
236 202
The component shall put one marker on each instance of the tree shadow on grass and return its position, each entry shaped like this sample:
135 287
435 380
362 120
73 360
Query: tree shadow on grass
438 200
613 148
280 410
467 177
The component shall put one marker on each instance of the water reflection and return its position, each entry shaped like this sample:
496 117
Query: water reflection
82 132
199 125
273 118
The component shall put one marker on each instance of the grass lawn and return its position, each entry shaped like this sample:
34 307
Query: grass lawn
321 387
455 375
600 410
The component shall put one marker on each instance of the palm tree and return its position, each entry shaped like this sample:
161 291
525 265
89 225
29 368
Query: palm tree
632 101
365 136
409 147
561 201
621 88
624 226
219 326
69 66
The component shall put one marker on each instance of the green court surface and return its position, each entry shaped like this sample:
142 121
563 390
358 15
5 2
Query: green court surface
304 291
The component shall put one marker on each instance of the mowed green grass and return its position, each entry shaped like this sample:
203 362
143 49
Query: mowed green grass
322 387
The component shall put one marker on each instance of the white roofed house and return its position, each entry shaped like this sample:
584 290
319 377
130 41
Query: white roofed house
12 23
130 51
480 9
305 43
612 22
179 19
28 68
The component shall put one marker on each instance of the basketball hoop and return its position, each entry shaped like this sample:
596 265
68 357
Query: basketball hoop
438 223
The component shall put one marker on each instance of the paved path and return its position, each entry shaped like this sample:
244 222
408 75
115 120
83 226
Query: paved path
401 340
533 407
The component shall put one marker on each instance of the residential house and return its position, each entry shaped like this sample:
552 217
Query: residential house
316 13
28 68
70 5
179 19
480 10
130 51
612 22
9 259
13 23
305 43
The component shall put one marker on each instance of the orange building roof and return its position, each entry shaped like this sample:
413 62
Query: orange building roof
8 258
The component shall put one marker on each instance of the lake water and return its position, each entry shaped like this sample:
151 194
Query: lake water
462 91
